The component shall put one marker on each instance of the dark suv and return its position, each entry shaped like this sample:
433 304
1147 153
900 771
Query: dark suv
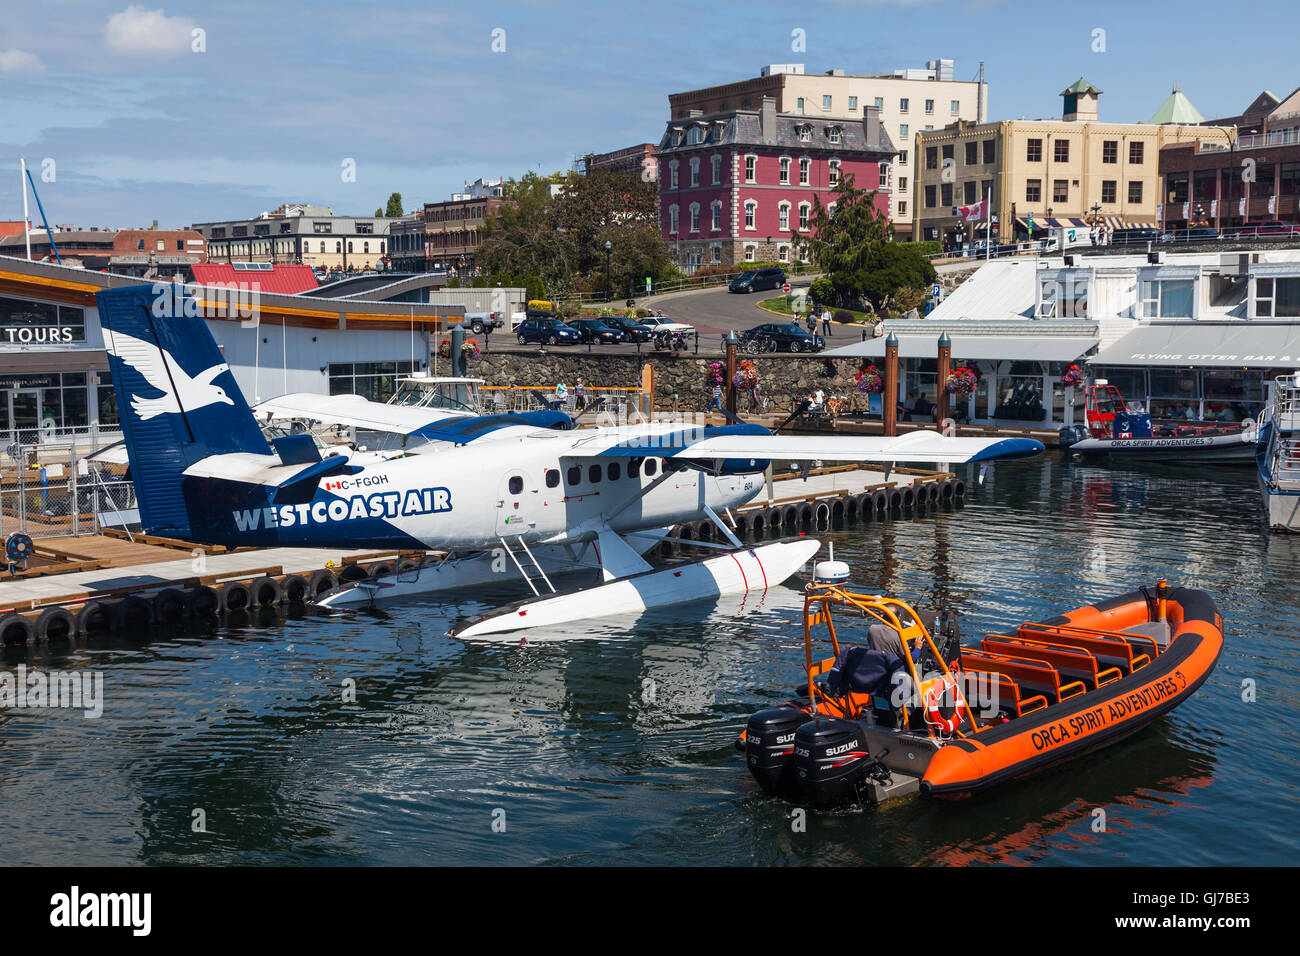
547 331
756 280
784 337
597 331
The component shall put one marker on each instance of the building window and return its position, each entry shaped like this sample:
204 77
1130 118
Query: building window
954 107
833 134
694 135
830 210
672 175
990 152
1110 151
1061 152
695 171
784 213
930 194
902 207
833 172
1108 190
717 253
672 220
880 102
968 192
805 211
945 195
1168 298
139 245
783 253
749 253
1135 190
805 134
1033 150
715 215
902 157
902 184
853 104
929 106
1033 190
1277 298
750 162
902 130
902 105
803 172
695 217
716 163
798 106
972 153
376 381
1135 151
932 157
1060 190
751 211
826 102
785 171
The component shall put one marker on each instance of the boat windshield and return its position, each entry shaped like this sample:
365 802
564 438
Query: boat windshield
459 395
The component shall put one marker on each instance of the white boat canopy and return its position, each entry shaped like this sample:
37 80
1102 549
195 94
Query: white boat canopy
1217 345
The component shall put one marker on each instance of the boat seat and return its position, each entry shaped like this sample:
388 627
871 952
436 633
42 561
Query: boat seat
1007 693
1071 662
1037 676
1110 649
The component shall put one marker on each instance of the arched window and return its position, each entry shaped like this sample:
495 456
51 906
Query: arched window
784 211
834 171
672 175
785 170
672 219
803 171
716 163
715 209
751 213
695 171
805 212
695 217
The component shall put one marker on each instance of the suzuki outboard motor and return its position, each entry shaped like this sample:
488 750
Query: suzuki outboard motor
769 748
830 760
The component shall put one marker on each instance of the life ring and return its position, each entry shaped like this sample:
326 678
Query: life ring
935 691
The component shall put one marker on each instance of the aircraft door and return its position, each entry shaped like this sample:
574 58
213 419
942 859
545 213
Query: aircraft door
516 504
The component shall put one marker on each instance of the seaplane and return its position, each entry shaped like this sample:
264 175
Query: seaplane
503 500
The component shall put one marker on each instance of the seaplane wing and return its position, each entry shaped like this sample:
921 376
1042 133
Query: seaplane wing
757 443
352 411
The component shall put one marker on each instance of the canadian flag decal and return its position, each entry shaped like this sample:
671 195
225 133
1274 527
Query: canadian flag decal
331 485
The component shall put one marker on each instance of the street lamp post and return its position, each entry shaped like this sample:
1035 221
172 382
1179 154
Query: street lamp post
609 288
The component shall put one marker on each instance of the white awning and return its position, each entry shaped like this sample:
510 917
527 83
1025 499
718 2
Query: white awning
1046 348
1224 345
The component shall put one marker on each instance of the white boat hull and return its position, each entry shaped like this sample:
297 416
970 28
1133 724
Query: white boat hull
729 572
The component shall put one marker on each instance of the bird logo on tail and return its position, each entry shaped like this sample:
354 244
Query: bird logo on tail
161 370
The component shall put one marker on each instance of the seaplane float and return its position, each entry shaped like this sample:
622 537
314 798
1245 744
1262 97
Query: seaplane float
506 498
898 712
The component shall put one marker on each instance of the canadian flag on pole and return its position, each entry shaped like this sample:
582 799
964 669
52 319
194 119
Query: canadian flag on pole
974 213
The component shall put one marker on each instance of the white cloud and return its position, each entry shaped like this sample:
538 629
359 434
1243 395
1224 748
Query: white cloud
139 31
20 61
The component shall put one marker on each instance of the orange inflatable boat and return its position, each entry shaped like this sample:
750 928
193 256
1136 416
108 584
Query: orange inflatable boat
898 713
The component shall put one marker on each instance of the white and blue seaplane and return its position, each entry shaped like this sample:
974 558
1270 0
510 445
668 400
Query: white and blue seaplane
504 497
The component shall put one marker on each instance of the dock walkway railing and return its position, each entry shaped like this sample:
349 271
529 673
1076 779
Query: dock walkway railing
49 490
1283 454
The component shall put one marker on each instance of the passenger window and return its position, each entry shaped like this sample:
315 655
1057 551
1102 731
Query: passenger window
593 474
516 484
552 478
574 475
614 470
650 466
634 468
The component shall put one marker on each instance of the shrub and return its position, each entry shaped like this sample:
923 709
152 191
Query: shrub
544 305
842 316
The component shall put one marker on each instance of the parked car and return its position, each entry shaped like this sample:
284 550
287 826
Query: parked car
1266 227
547 332
596 331
787 336
483 323
1194 234
661 323
756 280
633 331
1135 235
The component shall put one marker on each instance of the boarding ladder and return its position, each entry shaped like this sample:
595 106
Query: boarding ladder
527 564
1283 453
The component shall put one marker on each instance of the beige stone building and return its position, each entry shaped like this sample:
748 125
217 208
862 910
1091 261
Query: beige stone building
909 102
1064 172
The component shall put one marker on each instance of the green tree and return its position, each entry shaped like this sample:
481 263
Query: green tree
394 208
378 213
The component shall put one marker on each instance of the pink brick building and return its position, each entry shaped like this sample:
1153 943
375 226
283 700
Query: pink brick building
738 186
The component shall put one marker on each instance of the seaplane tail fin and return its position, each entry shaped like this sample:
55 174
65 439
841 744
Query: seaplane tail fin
179 404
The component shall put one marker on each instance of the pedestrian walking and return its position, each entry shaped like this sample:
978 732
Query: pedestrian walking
716 400
826 321
580 395
812 324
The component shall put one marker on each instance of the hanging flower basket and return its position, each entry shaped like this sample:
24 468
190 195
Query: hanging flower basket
1073 376
746 377
715 374
469 349
869 380
961 381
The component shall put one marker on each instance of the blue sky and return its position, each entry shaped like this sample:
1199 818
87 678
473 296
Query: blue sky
140 127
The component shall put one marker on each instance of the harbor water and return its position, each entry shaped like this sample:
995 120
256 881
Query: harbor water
373 738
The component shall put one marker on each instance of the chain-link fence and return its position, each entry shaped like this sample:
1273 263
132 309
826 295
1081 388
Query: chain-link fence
48 490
